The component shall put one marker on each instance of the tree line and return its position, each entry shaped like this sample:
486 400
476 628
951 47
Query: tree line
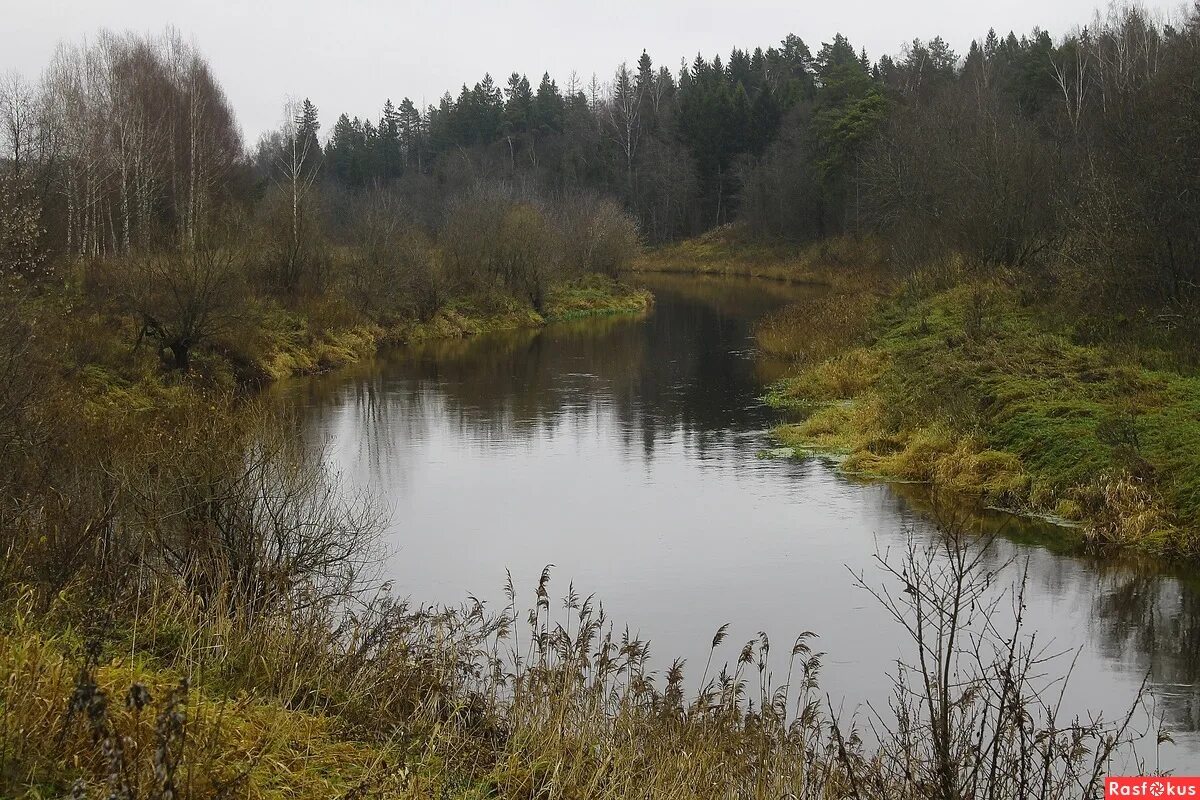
667 145
1075 157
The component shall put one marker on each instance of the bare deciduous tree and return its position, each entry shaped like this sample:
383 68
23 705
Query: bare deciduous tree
622 114
185 299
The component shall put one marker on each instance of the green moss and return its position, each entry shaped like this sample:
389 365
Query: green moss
971 389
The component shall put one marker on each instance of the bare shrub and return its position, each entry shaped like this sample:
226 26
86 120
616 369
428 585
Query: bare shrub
293 255
596 235
494 241
237 504
976 709
392 268
184 299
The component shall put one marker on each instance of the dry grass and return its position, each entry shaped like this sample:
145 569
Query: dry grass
175 698
595 295
391 702
1125 510
842 376
132 729
730 251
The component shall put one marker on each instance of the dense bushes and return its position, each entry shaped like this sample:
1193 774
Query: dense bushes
391 267
493 239
596 235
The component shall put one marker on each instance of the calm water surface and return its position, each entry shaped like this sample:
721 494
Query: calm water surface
626 452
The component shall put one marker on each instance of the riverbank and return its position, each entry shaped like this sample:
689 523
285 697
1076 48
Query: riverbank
979 388
198 701
318 336
727 251
592 295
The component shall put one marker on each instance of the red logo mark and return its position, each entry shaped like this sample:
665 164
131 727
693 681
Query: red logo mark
1149 787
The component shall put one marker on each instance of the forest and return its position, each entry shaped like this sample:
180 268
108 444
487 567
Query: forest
1011 239
1023 152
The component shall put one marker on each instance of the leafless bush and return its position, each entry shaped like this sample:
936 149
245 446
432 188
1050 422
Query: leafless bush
183 299
393 267
293 254
976 711
596 235
240 505
493 240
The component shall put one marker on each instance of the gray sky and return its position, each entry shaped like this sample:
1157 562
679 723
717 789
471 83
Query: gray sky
350 55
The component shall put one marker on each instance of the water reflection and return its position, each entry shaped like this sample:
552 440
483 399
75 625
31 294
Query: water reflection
625 452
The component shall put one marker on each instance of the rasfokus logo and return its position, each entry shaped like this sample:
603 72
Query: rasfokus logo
1130 786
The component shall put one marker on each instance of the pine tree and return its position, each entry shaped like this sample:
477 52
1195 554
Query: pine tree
411 135
740 70
487 109
518 108
849 109
645 75
307 125
518 115
388 145
307 121
547 106
342 152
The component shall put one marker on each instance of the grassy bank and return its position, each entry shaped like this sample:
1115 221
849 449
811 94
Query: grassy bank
318 335
984 390
592 295
193 701
727 251
982 386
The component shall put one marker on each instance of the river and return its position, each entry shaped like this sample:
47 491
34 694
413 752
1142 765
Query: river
627 452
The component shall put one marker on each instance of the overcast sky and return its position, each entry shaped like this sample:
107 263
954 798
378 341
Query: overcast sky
350 55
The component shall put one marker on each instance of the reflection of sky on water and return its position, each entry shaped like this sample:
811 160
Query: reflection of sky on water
625 452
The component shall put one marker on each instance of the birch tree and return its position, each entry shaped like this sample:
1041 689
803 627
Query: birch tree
295 160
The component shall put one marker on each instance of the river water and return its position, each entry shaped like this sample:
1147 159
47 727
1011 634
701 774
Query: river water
627 453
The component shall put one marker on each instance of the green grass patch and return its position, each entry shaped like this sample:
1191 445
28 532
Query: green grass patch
595 295
971 389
